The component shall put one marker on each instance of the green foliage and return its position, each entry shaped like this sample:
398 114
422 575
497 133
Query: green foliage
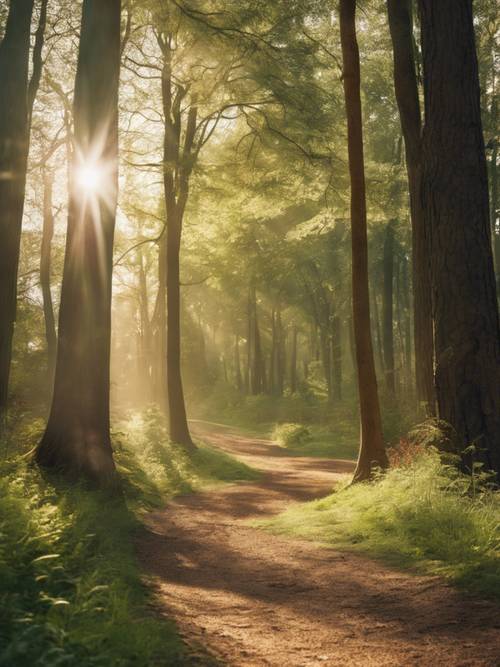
291 435
421 513
70 587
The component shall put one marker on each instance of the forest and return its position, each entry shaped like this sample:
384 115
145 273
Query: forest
249 333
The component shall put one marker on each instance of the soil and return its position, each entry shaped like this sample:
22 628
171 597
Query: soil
254 599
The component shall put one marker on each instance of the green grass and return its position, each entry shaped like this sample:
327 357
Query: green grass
71 592
421 514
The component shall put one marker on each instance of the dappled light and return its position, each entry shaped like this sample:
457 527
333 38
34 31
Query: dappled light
249 333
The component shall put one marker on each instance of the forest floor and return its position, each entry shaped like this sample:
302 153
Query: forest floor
255 599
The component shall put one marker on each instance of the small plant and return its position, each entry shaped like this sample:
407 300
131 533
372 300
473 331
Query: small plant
405 453
291 435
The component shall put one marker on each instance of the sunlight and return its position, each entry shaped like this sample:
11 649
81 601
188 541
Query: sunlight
89 177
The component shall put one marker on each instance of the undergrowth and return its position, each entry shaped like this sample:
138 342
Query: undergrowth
420 513
70 588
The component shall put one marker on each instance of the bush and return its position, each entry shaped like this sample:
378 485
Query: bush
291 435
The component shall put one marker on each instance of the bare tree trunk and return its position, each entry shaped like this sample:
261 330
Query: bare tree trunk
177 166
337 356
45 281
293 361
179 431
14 140
159 332
237 363
388 308
455 191
146 362
378 332
495 232
372 450
77 437
406 88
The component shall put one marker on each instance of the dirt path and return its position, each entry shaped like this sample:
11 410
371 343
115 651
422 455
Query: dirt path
254 599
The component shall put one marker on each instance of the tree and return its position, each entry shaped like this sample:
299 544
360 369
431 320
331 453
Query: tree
455 193
372 451
14 139
45 270
77 438
388 310
407 96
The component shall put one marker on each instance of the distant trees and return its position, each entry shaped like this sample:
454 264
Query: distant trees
77 437
14 140
455 194
372 450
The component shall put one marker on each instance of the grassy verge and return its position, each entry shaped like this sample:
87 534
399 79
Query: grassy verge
70 588
422 514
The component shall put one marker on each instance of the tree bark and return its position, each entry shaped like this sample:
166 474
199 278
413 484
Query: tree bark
388 309
14 140
177 167
455 192
77 437
293 361
45 279
237 363
337 356
406 89
372 450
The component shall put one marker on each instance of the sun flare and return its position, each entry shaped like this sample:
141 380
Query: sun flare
89 178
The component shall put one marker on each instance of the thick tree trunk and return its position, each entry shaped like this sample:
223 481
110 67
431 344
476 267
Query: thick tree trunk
77 438
372 451
495 231
388 308
406 88
45 281
14 139
455 192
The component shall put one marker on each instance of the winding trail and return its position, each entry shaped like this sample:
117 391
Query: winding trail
255 599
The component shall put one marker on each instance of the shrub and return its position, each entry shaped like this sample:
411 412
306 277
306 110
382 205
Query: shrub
291 435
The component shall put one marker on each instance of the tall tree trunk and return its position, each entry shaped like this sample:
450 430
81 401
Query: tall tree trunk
160 368
337 356
14 139
372 451
378 331
495 232
237 363
455 192
388 308
146 362
256 354
406 88
293 361
178 426
280 356
326 362
77 437
45 282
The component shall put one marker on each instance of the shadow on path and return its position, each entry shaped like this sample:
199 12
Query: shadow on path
256 599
